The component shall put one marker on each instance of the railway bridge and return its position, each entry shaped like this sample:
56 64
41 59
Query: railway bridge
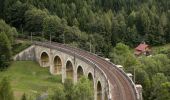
110 82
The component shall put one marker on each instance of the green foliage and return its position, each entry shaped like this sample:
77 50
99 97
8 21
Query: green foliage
24 97
9 31
158 84
83 90
97 26
1 8
52 26
5 51
68 88
80 91
164 92
154 72
34 19
7 34
15 14
29 78
123 56
117 21
151 72
142 78
5 90
59 93
18 47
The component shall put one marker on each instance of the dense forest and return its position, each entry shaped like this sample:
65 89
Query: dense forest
105 27
101 23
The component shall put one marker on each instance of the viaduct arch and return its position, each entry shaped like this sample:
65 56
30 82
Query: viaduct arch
44 59
109 82
80 72
57 65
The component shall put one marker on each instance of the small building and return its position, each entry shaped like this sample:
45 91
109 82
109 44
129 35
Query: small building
142 49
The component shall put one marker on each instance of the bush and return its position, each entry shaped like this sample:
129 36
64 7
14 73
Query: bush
5 90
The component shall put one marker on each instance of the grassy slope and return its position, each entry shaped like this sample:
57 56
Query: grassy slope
28 77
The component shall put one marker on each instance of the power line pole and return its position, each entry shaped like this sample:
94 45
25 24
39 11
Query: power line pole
50 38
134 75
90 46
64 37
31 37
42 33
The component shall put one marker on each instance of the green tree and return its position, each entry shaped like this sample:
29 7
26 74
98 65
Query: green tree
34 19
59 93
1 8
123 56
7 4
142 78
151 66
5 50
52 26
24 97
164 92
132 18
15 14
157 80
68 88
8 30
5 90
132 36
164 61
75 22
83 90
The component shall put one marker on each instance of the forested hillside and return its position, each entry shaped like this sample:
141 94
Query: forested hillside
102 23
100 26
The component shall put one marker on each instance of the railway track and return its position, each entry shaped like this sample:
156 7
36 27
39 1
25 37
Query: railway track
121 86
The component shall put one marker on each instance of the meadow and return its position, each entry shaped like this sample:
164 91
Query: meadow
29 78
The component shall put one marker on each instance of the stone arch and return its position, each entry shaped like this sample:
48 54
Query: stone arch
57 65
80 72
69 70
99 91
90 77
44 59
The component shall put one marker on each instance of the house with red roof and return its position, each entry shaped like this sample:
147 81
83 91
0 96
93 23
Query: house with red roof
142 49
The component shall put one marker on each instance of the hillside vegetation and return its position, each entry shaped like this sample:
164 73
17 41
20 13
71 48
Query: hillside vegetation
29 78
101 23
109 28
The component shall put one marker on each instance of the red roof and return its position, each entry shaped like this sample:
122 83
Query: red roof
137 53
141 47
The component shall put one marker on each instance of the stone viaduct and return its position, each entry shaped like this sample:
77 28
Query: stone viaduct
110 82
